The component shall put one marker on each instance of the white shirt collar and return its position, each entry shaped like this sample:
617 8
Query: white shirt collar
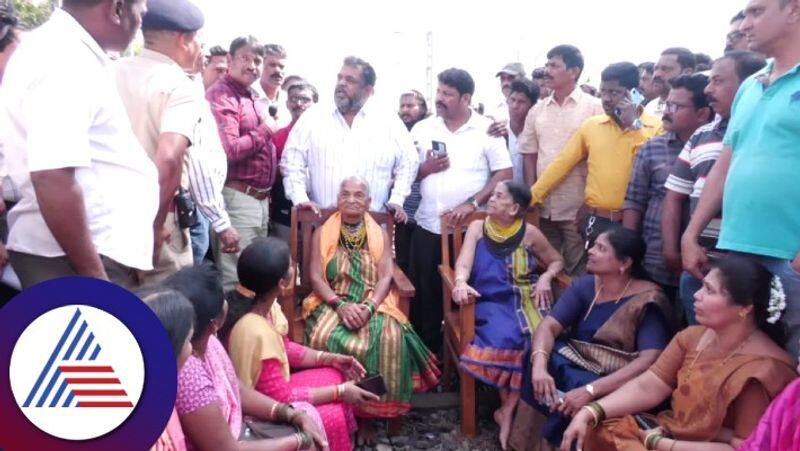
364 111
471 123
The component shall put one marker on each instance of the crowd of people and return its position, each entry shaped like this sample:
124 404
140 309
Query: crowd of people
665 194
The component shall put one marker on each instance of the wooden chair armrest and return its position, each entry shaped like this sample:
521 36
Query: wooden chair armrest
466 312
404 286
448 277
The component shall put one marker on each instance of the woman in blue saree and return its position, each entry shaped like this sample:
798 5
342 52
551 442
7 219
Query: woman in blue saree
606 329
498 266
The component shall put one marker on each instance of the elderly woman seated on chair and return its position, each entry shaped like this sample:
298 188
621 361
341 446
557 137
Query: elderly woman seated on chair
607 328
352 309
498 265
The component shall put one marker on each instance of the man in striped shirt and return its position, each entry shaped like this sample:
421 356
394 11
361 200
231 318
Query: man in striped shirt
688 174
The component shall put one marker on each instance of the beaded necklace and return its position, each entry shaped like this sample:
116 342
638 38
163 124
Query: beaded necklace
353 236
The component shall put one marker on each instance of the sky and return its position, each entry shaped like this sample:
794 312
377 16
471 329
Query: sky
479 37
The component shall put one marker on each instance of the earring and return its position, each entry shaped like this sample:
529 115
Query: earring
622 270
742 314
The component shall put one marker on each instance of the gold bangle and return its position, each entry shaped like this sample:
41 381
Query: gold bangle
272 411
539 351
593 414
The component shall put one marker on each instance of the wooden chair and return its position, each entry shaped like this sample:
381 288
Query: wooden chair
459 321
303 224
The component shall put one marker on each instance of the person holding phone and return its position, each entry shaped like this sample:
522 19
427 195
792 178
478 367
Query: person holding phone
606 329
264 357
457 176
608 143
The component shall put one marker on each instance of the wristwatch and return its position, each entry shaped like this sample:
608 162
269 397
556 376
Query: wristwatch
590 389
472 201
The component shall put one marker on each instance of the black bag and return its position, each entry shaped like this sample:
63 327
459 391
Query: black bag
185 209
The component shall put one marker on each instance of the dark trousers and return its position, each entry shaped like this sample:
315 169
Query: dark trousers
402 246
426 308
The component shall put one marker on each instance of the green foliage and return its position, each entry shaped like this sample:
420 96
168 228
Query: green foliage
32 14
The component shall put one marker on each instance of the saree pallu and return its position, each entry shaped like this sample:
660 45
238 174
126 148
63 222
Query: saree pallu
703 399
576 363
505 316
387 344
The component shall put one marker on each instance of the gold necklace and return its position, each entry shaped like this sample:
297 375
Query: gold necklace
353 238
499 233
600 290
694 360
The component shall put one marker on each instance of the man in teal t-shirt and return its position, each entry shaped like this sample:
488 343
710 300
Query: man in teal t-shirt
756 180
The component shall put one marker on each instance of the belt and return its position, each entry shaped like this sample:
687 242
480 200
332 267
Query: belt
611 215
243 187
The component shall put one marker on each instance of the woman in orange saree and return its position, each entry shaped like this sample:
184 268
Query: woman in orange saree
720 376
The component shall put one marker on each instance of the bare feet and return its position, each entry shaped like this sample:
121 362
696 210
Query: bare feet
503 417
366 433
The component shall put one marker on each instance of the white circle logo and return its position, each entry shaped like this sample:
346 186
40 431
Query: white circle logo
77 372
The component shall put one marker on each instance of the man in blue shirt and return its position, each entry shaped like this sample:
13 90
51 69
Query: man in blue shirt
755 178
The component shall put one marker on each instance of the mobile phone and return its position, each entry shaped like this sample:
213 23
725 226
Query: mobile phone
637 99
645 423
439 149
554 401
373 384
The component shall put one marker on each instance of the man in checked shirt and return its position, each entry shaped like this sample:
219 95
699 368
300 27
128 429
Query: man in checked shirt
248 146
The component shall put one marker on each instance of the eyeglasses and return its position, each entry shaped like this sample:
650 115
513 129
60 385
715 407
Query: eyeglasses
300 100
674 107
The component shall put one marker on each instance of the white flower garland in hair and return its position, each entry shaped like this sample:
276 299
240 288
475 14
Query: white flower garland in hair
777 300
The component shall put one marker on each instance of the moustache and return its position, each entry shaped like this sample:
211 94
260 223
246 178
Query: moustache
667 118
441 105
711 99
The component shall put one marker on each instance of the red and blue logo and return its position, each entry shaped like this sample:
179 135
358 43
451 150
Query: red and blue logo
89 367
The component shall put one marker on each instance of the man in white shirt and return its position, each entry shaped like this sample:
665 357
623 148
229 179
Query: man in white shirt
456 184
673 62
328 144
271 103
89 194
164 110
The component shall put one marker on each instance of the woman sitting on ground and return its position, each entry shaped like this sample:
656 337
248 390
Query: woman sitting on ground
500 259
211 402
177 316
779 428
263 355
606 329
353 310
720 376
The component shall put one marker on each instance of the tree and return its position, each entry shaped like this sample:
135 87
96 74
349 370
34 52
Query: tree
32 14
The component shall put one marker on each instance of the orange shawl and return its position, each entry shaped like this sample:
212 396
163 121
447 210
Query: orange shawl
329 242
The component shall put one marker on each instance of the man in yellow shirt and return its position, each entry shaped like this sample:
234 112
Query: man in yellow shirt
608 143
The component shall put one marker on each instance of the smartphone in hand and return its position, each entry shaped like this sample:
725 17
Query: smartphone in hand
439 149
373 384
